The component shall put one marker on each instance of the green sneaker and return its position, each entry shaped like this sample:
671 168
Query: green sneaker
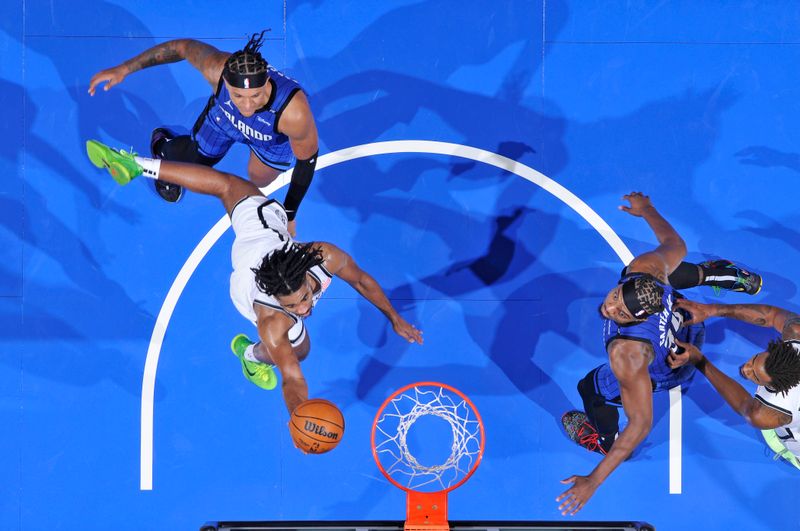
261 374
775 444
120 164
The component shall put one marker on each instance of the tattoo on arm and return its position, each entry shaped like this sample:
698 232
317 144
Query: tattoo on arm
157 55
791 327
757 314
198 53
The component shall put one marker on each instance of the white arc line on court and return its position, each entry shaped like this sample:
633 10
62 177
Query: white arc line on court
331 159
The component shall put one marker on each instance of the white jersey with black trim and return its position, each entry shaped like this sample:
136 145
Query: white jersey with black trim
788 404
260 225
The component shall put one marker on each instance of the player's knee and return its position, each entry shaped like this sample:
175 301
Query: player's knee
586 386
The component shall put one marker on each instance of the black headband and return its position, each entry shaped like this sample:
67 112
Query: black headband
245 81
632 301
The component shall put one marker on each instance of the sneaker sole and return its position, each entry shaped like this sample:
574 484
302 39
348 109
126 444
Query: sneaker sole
96 152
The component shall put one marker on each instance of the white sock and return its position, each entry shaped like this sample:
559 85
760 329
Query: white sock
150 167
249 355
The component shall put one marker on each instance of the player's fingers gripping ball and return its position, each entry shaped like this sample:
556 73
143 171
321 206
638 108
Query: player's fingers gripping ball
316 426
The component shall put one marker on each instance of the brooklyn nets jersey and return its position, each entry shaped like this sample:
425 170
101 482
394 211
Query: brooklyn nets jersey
260 225
788 404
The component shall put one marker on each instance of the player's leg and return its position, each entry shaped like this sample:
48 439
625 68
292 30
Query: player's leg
257 364
201 179
600 413
781 450
260 173
165 144
719 274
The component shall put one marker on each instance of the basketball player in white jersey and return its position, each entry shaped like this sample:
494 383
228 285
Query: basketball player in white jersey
775 408
275 281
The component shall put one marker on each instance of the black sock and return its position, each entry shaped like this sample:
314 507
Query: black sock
686 275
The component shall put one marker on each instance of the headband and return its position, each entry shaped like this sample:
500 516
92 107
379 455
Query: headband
245 81
632 301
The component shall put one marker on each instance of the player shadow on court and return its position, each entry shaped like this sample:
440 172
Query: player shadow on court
50 308
54 159
517 316
602 154
513 31
403 97
767 157
774 231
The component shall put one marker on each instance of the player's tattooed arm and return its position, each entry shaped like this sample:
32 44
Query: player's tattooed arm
207 59
791 327
204 57
784 321
756 414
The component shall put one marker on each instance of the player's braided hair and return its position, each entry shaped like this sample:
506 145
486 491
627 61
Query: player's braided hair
248 60
283 271
649 294
782 365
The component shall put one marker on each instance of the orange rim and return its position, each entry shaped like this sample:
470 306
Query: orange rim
429 384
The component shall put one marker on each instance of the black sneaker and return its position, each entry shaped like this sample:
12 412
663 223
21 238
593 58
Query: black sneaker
743 281
579 429
169 192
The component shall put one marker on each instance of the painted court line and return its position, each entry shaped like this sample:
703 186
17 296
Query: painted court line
331 159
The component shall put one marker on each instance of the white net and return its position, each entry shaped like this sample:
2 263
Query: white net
392 438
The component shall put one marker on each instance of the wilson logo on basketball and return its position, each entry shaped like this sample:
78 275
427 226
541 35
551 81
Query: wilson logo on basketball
313 427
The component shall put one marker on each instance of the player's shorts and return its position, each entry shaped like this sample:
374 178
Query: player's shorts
214 143
260 227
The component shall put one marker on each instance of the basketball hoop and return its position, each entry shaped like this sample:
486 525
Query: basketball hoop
427 483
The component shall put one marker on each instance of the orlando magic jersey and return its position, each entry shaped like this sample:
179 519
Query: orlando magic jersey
221 123
660 331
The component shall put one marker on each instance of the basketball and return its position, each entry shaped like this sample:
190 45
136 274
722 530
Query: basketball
316 426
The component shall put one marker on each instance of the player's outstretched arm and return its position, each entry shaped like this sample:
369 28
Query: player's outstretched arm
207 59
343 266
784 321
629 361
671 249
754 412
273 334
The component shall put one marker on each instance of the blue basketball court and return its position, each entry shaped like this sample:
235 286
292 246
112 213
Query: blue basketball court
472 159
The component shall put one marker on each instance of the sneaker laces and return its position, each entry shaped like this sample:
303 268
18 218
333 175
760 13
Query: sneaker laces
590 441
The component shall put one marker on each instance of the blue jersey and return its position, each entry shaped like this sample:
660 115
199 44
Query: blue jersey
221 124
659 331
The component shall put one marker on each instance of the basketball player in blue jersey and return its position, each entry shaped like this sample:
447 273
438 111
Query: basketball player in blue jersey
253 104
640 329
276 282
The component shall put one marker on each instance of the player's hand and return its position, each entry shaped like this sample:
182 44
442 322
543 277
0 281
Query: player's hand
698 312
109 76
292 227
577 495
407 331
640 203
691 354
